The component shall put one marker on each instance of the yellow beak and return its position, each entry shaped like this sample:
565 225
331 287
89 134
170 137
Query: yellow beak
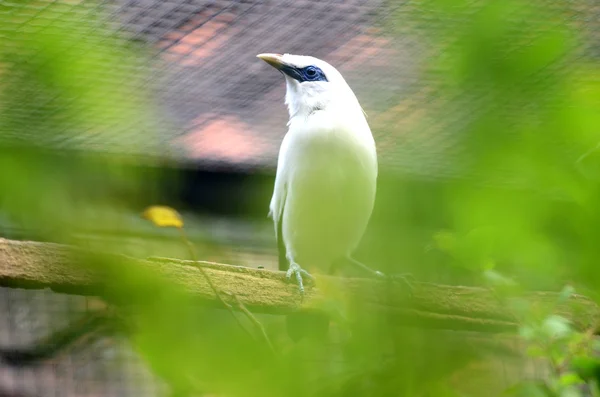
274 60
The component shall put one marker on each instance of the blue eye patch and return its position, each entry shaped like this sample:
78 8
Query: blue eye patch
308 73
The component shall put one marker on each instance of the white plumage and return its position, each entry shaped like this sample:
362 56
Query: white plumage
327 167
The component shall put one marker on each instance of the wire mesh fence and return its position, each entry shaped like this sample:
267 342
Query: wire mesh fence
106 366
192 63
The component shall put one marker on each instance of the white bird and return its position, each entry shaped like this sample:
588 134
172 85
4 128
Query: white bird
326 171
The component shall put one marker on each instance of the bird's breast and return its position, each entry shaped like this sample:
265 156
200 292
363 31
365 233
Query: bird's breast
332 139
331 178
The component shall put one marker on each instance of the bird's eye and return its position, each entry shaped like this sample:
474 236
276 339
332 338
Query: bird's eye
312 73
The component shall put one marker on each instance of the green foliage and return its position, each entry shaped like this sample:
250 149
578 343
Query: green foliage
510 84
65 77
511 96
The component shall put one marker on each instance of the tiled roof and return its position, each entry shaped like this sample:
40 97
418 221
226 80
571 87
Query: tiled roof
230 103
216 103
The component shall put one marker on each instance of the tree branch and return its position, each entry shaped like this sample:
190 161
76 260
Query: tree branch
43 265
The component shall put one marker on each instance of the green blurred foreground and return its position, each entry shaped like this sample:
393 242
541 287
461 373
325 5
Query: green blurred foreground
523 212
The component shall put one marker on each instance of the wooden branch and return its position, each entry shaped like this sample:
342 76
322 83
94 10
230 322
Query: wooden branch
42 265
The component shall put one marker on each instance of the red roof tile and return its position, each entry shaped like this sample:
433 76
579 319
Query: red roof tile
223 139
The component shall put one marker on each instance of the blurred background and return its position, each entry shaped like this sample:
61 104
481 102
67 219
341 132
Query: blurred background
486 117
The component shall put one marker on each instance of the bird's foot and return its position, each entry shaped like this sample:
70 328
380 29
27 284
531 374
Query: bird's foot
296 271
404 278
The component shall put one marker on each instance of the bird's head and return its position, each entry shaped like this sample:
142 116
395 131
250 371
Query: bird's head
312 84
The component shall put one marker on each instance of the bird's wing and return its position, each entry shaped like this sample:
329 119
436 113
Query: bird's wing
281 251
278 203
276 212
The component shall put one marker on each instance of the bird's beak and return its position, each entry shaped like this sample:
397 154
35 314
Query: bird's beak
274 60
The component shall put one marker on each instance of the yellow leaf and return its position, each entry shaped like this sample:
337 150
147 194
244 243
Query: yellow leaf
163 216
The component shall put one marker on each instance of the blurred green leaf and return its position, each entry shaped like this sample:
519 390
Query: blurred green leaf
570 379
556 326
536 351
565 294
527 332
528 389
497 280
571 391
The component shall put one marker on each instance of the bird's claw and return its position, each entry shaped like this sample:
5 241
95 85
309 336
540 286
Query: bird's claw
296 271
405 278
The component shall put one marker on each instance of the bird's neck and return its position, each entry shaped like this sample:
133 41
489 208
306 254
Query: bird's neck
307 104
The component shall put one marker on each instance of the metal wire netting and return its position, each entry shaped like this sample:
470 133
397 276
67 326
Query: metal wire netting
103 367
216 104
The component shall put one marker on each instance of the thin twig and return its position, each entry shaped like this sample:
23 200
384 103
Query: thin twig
241 306
210 283
254 320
